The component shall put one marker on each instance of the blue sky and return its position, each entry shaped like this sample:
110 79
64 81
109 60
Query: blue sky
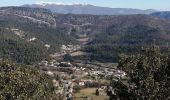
141 4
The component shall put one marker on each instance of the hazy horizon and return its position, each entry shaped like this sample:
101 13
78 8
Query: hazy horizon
134 4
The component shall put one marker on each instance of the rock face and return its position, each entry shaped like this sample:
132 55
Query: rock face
89 9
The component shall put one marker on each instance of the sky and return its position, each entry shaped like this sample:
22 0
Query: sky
140 4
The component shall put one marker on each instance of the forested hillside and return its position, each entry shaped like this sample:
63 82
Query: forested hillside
20 50
108 35
29 35
112 35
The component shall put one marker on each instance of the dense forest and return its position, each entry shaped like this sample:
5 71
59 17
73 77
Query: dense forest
17 32
20 50
148 76
107 46
21 82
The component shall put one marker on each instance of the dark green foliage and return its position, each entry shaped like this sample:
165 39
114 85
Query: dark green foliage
19 82
109 52
67 57
46 35
148 76
107 46
97 92
111 35
20 50
38 23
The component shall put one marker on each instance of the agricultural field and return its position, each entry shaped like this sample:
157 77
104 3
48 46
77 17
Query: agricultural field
89 93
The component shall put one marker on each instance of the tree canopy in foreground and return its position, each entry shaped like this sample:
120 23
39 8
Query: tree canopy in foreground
19 82
148 76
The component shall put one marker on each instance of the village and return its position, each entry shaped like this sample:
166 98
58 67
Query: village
70 77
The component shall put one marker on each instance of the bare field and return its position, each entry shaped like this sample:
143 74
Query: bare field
89 93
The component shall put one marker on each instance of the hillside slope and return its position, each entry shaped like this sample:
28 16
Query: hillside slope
117 26
32 28
112 35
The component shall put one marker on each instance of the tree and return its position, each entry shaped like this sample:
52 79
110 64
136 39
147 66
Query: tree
68 57
97 92
19 82
148 76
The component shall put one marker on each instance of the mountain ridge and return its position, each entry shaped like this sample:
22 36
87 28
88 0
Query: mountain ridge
162 14
89 9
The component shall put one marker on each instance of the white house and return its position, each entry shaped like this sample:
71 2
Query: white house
50 73
81 83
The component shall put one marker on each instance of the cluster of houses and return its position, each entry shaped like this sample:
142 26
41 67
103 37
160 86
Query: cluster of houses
70 48
79 72
107 74
68 81
74 75
54 63
66 49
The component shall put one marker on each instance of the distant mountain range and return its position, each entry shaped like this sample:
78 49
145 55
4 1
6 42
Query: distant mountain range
89 9
163 14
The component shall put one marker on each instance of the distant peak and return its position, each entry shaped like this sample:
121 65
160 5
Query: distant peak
84 8
60 3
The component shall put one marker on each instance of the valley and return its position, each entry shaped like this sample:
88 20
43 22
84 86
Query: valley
85 56
104 37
